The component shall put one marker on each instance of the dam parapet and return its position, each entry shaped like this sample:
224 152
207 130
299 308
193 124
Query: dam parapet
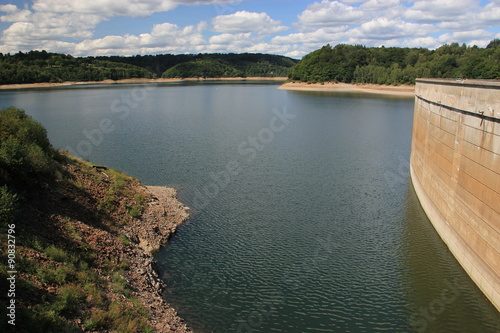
455 170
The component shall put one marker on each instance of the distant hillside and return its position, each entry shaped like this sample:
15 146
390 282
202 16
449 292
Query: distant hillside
394 65
211 64
41 66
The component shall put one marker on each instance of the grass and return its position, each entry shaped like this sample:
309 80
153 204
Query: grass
119 316
56 253
125 241
58 275
81 293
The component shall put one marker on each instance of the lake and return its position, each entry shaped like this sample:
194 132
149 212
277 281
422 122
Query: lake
304 218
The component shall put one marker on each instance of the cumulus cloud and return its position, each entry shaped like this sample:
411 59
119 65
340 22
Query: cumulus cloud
14 14
425 42
322 35
383 28
490 14
330 13
243 21
133 8
70 26
380 4
165 37
226 39
435 11
465 36
46 28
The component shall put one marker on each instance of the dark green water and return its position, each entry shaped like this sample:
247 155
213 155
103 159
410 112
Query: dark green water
304 216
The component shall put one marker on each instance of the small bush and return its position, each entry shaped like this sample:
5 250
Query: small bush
69 297
135 212
25 151
56 254
98 320
56 275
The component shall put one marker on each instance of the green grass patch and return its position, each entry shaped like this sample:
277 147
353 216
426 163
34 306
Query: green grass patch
124 239
120 317
56 253
68 299
59 275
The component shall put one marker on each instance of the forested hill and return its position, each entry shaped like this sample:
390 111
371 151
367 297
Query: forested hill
394 65
211 64
42 66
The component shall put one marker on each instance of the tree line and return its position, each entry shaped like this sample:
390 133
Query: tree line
42 66
211 64
395 66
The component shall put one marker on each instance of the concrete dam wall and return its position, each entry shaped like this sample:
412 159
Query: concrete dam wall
455 170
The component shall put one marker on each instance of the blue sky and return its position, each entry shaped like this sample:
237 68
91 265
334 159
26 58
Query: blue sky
291 28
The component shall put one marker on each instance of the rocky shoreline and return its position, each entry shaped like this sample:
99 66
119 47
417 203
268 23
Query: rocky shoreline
163 214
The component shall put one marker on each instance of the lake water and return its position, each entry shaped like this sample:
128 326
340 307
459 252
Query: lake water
304 218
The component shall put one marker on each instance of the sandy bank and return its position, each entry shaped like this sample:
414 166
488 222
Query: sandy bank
135 81
402 91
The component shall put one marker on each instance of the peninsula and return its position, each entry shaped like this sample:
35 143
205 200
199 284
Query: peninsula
81 239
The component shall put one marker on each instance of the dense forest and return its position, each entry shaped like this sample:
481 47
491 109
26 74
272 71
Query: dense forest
42 66
394 65
211 64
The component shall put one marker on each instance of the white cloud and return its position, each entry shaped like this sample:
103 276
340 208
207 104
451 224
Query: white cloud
322 35
380 4
425 42
133 8
490 14
45 28
383 28
165 37
226 39
243 21
435 11
465 36
480 43
14 14
330 13
69 26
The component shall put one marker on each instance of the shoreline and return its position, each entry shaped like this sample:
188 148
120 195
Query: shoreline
133 81
401 91
162 215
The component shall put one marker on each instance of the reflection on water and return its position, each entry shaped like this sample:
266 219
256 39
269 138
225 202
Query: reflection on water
444 298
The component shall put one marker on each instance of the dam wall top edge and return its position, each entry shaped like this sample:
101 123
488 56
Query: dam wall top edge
473 83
